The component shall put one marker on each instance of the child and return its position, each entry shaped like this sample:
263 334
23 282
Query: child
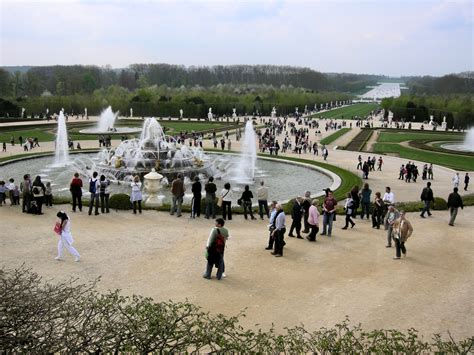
48 195
16 196
349 208
3 191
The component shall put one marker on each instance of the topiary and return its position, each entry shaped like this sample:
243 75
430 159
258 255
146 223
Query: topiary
120 202
439 204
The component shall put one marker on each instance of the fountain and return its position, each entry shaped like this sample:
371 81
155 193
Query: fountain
106 124
243 172
467 146
61 157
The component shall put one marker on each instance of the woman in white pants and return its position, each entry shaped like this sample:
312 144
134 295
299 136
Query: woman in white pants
65 238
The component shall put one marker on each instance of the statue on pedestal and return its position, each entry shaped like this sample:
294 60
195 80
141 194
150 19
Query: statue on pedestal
234 114
274 112
131 112
209 115
181 114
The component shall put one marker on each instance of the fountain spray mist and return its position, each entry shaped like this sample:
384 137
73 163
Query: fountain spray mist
62 150
245 170
106 120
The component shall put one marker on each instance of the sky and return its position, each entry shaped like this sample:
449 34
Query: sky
405 37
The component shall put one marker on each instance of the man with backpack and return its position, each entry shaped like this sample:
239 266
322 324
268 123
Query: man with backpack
215 249
94 189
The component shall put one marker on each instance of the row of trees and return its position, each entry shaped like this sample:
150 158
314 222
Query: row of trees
69 317
163 101
458 109
454 83
78 79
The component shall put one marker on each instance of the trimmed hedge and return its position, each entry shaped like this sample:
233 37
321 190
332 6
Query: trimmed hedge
331 138
119 202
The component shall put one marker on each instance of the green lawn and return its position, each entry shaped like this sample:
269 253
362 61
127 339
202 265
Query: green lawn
397 137
331 138
43 134
458 162
360 110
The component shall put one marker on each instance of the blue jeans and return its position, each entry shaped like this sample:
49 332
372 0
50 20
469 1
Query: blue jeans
210 206
426 208
327 222
179 202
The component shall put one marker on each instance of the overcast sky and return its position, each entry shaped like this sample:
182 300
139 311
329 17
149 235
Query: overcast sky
409 37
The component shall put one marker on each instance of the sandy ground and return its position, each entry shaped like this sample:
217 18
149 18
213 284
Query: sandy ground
316 284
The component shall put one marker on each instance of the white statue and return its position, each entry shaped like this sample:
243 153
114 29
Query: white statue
296 110
444 123
181 114
47 111
209 115
234 113
131 112
274 112
305 108
431 120
22 112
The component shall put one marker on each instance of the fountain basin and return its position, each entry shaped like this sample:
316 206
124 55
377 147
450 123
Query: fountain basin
115 130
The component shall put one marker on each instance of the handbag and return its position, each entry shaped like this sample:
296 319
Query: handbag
220 200
57 228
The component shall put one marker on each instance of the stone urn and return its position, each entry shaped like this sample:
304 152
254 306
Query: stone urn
152 186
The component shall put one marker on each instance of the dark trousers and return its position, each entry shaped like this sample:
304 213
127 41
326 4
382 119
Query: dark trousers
210 206
226 210
263 205
196 209
349 220
104 202
248 209
39 204
426 208
94 198
313 233
279 241
139 203
76 201
271 240
26 204
400 246
305 223
217 259
296 224
365 209
376 218
48 200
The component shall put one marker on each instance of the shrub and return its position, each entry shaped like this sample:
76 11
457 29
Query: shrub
439 204
69 317
120 202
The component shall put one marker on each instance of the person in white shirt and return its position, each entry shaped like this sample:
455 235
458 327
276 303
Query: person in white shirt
262 198
65 237
226 195
389 197
456 180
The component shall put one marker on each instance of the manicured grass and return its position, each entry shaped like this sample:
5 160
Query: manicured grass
43 134
331 138
458 162
360 110
397 137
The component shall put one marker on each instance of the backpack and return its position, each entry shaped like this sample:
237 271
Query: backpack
92 186
219 243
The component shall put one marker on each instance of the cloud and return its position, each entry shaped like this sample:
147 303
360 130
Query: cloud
342 36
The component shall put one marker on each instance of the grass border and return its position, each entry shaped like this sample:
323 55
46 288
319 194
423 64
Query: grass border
331 138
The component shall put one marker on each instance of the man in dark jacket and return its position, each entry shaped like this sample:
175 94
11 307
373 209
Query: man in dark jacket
177 190
454 202
196 205
210 200
427 198
296 215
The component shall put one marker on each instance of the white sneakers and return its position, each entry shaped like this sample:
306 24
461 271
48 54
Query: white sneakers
58 258
77 259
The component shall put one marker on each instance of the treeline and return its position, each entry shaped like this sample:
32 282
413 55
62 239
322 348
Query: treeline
458 109
68 317
163 101
78 79
449 84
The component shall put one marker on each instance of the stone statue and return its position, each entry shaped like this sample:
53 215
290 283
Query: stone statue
296 110
181 114
234 114
22 112
210 115
131 112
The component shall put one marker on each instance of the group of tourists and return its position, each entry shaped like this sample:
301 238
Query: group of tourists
34 194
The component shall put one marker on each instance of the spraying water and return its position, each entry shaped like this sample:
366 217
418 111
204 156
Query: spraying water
244 171
106 120
467 146
62 150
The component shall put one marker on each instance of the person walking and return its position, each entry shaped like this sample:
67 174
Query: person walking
456 180
104 190
279 232
177 190
454 202
313 220
329 210
94 187
377 211
25 188
246 199
296 216
365 194
427 198
401 231
262 198
136 196
196 203
65 237
210 200
215 247
76 191
226 195
38 190
390 218
466 181
271 226
349 209
11 191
